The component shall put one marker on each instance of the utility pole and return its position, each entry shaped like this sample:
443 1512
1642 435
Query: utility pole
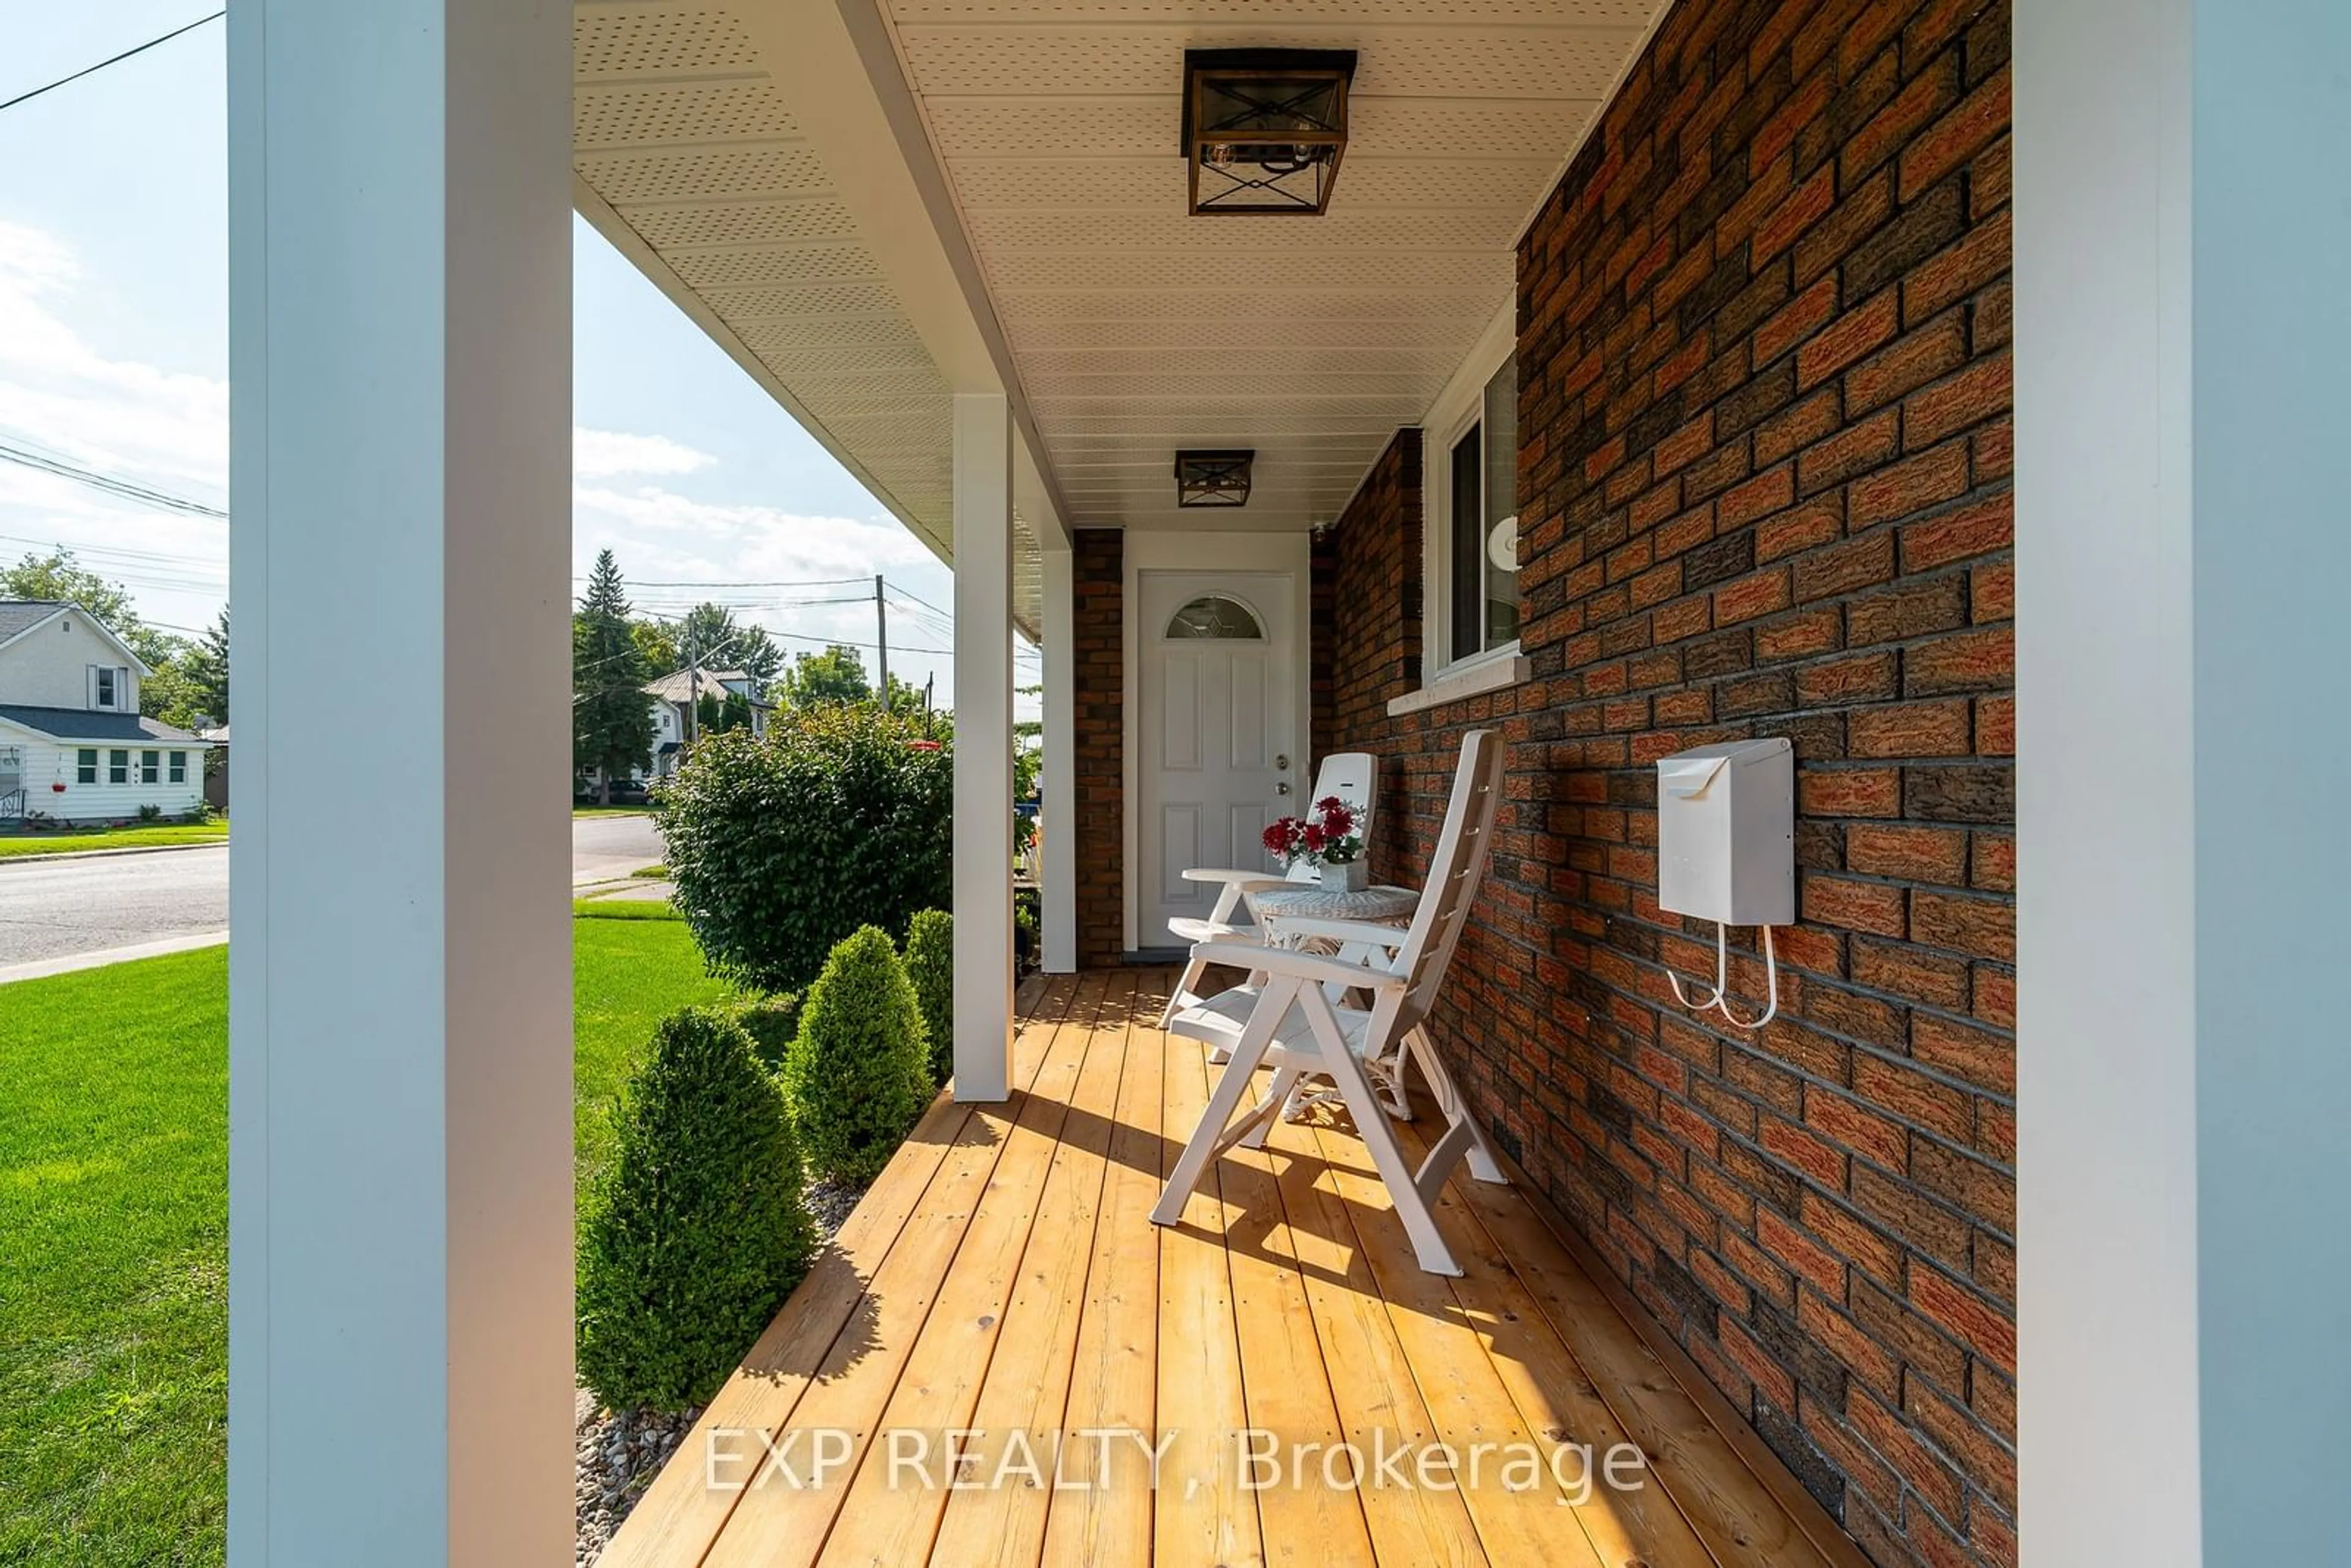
882 640
693 686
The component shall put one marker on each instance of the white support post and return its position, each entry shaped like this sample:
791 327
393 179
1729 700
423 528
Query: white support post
399 1063
2181 326
1060 737
983 752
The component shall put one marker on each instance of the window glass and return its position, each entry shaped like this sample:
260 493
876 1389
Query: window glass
118 768
150 768
1500 551
1214 616
86 765
105 688
178 767
1468 471
1482 500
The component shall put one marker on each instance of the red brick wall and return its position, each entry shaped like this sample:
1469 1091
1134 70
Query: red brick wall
1097 627
1367 630
1764 481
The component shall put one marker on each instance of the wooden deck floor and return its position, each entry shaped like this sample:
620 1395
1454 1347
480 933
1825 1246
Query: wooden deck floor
1001 1277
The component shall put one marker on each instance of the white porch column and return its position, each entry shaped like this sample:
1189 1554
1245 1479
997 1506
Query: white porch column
983 753
399 1122
2184 738
1059 812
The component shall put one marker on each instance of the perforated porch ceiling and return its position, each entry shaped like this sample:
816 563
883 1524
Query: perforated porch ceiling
1137 329
689 160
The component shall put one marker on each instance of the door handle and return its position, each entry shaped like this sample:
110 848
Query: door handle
1283 787
1282 764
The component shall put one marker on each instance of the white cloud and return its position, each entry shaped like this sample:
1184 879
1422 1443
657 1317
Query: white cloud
165 427
601 453
668 532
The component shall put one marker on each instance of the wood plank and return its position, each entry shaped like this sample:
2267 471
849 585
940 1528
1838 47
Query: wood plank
1466 1399
949 1270
1113 1380
681 1514
1371 1381
1741 1521
1200 1514
1284 1384
1020 1386
1554 1392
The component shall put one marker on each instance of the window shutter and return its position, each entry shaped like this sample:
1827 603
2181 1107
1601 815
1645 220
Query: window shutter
123 689
93 685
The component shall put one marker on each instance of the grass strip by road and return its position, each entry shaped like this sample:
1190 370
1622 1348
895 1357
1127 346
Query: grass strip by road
114 1233
13 846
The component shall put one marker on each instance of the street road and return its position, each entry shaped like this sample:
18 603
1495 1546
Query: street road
50 908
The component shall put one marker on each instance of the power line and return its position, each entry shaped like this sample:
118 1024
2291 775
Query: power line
111 60
108 482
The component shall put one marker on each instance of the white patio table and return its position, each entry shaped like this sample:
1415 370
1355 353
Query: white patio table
1293 907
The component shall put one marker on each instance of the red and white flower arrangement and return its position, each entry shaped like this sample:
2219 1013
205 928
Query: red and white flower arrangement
1330 835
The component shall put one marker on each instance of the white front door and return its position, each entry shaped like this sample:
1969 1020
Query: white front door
1219 756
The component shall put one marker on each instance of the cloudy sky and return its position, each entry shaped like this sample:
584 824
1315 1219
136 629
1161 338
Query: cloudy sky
114 356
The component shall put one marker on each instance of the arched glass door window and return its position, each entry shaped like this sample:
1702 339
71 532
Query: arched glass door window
1215 616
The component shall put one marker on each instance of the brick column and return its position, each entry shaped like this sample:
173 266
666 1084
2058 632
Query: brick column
1097 645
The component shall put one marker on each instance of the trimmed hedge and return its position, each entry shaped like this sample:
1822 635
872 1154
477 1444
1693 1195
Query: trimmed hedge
840 817
858 1074
695 1232
930 964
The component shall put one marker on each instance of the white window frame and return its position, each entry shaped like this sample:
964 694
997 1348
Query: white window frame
93 765
151 766
1459 406
109 686
118 758
178 768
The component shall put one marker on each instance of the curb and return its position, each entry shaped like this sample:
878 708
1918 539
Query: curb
74 963
7 861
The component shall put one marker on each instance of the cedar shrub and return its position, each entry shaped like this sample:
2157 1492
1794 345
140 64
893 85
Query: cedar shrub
858 1072
695 1232
930 964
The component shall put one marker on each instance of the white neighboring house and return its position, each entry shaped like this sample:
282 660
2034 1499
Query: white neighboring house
73 747
673 696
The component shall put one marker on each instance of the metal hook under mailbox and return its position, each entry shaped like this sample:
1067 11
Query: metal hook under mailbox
1720 1001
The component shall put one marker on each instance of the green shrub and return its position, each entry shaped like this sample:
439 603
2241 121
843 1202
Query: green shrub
694 1233
781 847
930 964
771 1022
151 812
859 1072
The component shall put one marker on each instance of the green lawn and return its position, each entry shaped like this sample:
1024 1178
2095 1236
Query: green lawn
113 1233
612 810
14 844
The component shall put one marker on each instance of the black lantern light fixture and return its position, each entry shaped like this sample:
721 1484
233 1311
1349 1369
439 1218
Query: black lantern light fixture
1263 129
1213 478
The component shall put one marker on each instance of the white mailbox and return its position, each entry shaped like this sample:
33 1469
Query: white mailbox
1726 832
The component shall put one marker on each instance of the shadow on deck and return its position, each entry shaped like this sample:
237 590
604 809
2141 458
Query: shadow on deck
1001 1361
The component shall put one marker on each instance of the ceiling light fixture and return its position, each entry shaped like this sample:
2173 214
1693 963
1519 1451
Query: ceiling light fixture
1263 129
1213 478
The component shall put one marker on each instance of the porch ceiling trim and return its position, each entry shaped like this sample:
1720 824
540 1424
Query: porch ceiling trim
834 64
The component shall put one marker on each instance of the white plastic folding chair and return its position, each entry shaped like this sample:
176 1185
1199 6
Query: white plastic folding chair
1348 775
1290 1020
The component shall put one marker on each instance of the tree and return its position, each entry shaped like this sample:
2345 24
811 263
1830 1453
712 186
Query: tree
60 576
658 643
834 676
707 636
611 716
757 655
208 668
